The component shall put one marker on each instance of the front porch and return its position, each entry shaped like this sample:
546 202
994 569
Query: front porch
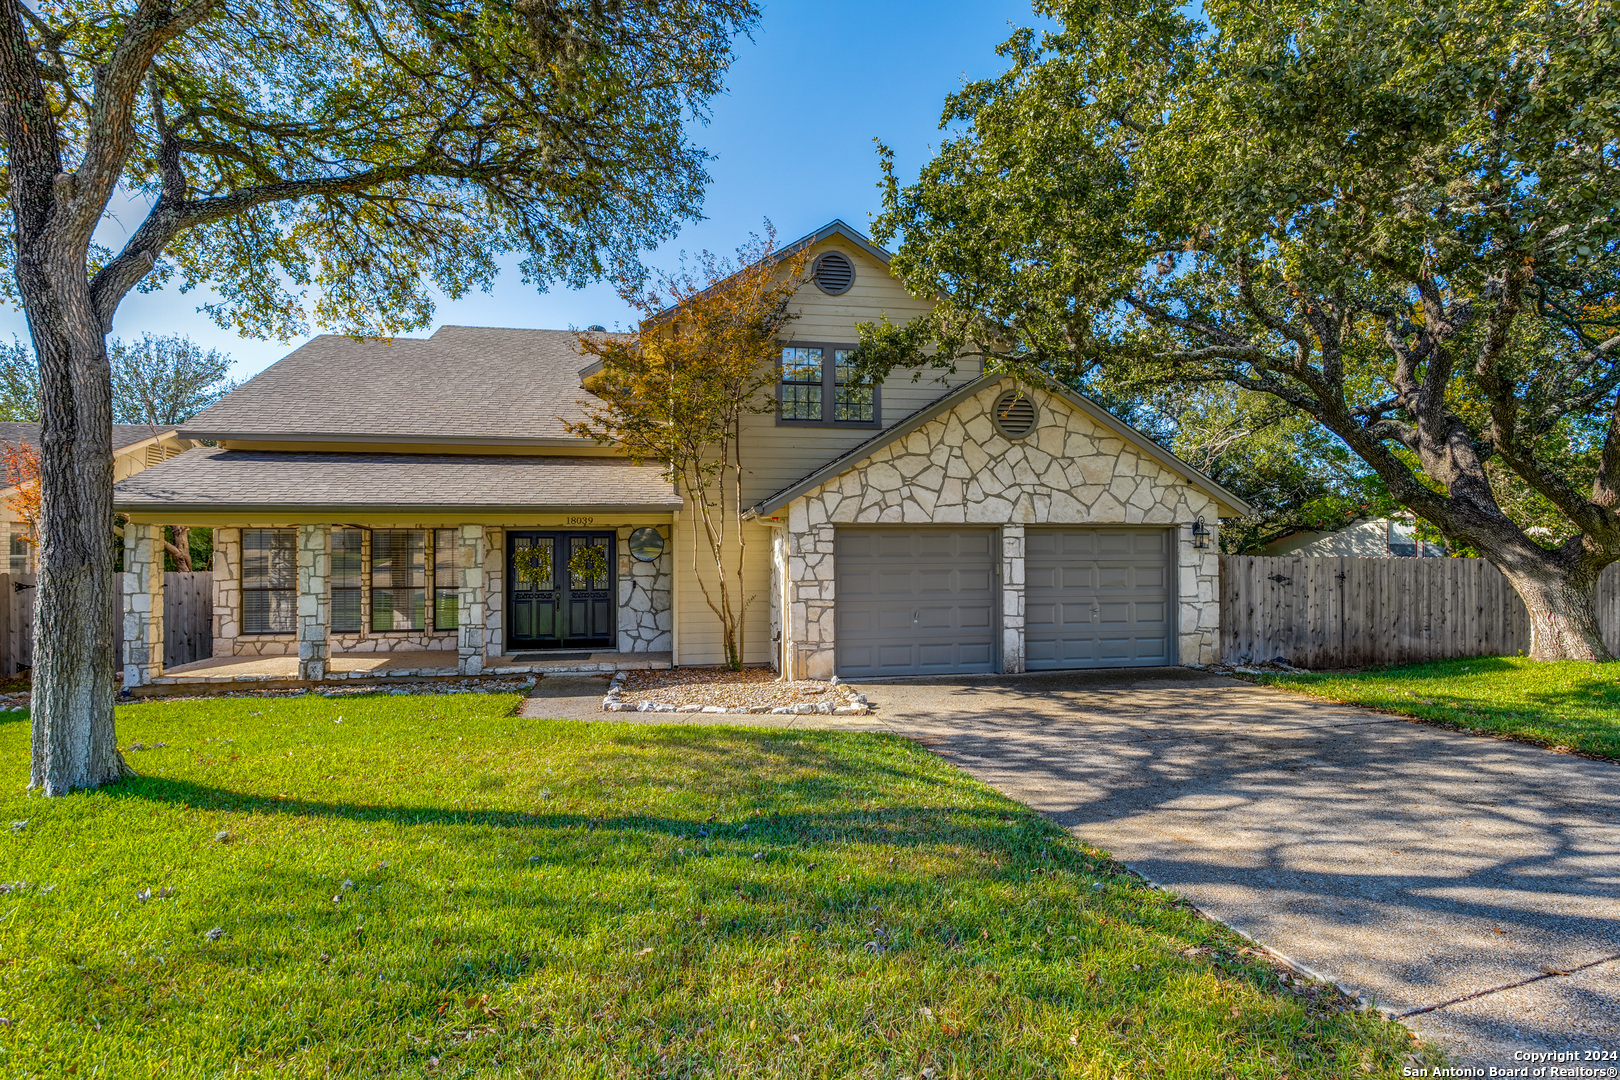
271 672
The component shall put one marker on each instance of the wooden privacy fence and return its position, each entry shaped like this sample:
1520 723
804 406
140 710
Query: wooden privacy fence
1329 612
188 620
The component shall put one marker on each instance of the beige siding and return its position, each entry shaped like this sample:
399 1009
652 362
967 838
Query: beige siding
699 640
777 456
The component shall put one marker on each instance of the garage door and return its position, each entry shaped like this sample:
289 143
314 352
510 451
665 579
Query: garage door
1098 598
915 601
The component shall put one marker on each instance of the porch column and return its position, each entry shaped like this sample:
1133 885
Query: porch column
143 604
1013 656
314 601
471 606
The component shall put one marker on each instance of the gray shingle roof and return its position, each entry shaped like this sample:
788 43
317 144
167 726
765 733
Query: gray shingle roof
16 431
213 479
464 382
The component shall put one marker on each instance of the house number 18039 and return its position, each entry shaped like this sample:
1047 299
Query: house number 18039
581 521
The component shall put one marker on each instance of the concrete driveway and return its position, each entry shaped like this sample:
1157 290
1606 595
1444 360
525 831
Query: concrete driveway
1470 885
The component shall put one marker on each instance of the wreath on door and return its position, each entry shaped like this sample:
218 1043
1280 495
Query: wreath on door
589 563
533 565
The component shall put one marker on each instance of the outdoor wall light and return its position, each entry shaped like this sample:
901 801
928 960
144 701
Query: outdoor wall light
1200 533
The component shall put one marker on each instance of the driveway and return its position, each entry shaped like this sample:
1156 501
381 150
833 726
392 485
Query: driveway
1470 885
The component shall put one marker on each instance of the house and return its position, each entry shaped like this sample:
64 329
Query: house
135 447
1364 537
423 497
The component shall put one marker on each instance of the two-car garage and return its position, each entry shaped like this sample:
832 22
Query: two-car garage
925 601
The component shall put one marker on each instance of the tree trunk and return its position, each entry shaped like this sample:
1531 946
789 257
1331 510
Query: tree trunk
74 744
1563 614
180 548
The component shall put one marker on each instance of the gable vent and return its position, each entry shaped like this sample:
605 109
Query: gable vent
1014 414
833 273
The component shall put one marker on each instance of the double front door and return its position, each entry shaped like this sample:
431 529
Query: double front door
559 594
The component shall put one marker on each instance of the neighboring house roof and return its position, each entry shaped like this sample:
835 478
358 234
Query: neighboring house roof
464 384
211 479
13 432
944 404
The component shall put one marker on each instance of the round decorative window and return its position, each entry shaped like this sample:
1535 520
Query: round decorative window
833 273
646 544
1014 414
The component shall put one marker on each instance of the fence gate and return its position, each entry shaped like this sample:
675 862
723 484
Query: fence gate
17 594
188 620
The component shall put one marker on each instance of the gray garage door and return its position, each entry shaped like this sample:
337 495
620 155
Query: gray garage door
915 601
1098 598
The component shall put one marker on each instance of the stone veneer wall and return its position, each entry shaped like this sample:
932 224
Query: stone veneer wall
958 469
646 596
227 570
314 601
143 603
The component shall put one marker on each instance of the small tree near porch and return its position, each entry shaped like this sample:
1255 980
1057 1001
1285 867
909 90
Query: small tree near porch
676 393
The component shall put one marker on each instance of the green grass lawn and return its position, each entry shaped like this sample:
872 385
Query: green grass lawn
1570 705
428 886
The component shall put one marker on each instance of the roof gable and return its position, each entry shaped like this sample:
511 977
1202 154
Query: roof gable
1228 503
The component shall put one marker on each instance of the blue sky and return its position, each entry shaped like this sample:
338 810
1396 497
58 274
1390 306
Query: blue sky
793 138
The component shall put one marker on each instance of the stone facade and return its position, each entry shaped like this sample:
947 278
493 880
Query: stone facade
314 601
1012 598
470 601
227 573
959 469
646 596
143 603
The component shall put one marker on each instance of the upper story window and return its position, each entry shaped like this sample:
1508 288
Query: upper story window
817 387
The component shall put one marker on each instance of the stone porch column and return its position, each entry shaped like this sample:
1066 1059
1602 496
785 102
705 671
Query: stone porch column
143 604
1013 655
314 601
810 619
471 606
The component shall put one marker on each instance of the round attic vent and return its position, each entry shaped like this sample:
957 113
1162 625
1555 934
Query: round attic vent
597 328
1014 414
833 273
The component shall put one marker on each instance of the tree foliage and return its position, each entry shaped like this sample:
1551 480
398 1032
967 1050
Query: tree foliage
19 382
677 391
165 381
21 464
1392 219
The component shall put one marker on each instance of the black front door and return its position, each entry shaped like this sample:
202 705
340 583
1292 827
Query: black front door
552 605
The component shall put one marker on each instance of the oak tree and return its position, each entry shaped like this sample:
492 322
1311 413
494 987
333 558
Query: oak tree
327 161
1393 218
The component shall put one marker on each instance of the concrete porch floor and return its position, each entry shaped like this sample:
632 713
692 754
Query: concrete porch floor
396 665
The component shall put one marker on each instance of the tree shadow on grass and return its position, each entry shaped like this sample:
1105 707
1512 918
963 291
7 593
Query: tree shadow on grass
1007 831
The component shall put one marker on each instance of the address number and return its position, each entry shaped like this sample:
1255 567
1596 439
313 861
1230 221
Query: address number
581 521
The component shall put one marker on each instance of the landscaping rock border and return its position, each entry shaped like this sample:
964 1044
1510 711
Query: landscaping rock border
613 701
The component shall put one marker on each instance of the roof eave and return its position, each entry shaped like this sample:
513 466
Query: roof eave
396 439
662 506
